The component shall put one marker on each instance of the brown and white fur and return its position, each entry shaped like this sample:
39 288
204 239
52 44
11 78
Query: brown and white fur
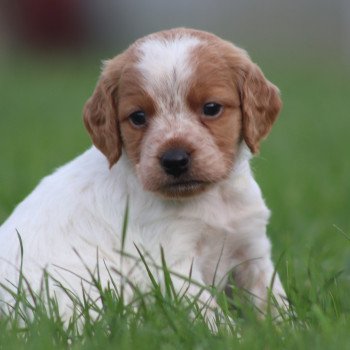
210 218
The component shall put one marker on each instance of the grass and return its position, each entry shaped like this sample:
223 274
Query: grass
304 172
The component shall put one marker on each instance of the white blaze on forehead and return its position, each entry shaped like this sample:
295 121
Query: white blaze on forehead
165 65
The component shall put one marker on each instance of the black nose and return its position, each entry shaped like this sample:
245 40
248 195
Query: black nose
175 161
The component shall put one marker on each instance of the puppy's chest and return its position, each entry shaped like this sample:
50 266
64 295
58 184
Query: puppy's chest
189 230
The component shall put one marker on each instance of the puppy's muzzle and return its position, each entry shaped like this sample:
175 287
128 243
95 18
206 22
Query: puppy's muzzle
175 161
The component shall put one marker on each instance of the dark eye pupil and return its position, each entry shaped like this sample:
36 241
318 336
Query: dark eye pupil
138 118
211 109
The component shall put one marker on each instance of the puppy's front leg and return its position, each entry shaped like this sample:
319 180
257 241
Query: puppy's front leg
257 275
188 280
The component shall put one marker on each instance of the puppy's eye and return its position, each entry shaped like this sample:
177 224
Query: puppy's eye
212 109
138 118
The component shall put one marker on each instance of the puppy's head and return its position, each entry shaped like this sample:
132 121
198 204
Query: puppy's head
179 103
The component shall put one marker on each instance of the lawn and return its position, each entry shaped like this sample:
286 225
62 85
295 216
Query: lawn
304 172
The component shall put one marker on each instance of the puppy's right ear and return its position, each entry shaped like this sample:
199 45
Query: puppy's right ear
100 111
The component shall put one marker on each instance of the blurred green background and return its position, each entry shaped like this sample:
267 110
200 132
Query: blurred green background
303 47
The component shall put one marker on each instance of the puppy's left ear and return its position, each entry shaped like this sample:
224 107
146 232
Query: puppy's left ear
261 104
100 111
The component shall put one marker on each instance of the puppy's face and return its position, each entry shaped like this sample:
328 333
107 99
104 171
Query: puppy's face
179 103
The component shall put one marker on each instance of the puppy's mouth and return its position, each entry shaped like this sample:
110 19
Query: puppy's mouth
184 188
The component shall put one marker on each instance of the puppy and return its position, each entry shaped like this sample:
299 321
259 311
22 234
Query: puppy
174 120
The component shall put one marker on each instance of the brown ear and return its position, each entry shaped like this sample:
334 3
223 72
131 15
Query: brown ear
100 112
261 104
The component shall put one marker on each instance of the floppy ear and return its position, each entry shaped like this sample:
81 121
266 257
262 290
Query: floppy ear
261 104
100 111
